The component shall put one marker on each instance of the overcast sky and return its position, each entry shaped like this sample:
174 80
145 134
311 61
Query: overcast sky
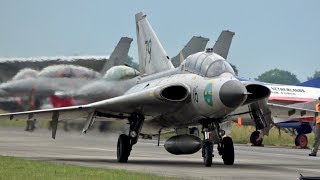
268 34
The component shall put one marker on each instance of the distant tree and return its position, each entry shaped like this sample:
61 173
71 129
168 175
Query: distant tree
234 68
131 63
278 76
315 75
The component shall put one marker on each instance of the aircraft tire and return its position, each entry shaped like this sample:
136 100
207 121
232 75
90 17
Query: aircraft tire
301 140
254 138
228 151
207 151
123 148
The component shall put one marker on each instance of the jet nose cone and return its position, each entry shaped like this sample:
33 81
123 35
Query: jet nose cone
232 93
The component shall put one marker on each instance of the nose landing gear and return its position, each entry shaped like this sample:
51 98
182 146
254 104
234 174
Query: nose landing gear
256 137
213 135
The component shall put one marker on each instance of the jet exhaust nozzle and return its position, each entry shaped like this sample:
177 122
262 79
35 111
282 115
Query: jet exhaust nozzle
183 144
257 92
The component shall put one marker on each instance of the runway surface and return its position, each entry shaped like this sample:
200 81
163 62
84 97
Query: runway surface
99 150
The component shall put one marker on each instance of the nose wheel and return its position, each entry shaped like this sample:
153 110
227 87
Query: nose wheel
255 138
213 135
227 151
207 153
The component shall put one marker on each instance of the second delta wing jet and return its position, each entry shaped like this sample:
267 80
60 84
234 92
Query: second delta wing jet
202 90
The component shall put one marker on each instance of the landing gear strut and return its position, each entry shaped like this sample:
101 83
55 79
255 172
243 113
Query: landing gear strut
125 142
213 135
257 116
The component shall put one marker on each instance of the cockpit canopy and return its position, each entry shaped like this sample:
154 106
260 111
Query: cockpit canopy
25 74
206 64
121 73
68 71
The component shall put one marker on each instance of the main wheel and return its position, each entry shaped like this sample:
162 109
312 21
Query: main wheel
207 151
228 151
301 140
254 139
123 148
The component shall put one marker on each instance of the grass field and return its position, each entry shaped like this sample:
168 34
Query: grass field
18 168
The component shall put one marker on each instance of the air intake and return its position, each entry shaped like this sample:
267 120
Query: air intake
174 93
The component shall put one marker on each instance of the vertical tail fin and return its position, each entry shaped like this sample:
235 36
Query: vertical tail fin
223 43
152 56
196 44
119 54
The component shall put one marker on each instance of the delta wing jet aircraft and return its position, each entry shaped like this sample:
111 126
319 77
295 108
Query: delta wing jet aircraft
13 104
202 90
62 78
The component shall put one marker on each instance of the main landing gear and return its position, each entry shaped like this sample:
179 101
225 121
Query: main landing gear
125 142
256 137
213 135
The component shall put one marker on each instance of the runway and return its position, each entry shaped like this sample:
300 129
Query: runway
99 150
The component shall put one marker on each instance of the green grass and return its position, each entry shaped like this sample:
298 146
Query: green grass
12 123
18 168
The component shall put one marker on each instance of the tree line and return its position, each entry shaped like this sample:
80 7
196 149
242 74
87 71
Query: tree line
279 76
